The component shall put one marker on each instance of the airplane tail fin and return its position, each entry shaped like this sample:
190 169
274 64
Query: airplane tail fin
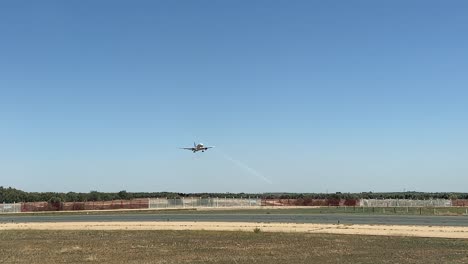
194 144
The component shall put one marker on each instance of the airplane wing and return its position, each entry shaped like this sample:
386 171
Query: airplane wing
208 147
188 148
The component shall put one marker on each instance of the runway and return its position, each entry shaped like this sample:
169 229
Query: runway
250 218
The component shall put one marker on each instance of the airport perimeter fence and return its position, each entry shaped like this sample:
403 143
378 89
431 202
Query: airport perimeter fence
196 202
146 203
10 208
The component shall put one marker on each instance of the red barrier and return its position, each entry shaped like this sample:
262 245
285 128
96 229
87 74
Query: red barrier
40 206
91 205
460 202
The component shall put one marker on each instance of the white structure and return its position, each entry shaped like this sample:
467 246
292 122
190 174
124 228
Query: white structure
195 202
405 203
10 208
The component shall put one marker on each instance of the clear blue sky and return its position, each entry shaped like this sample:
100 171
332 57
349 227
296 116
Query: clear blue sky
314 96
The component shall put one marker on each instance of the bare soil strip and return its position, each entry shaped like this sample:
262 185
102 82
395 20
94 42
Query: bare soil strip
377 230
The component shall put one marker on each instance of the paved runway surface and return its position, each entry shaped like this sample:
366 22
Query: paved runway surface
274 218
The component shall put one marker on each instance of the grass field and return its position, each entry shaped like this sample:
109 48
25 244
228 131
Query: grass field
280 210
222 247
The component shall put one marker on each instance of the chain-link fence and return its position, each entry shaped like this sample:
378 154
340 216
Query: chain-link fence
405 203
195 202
310 202
10 208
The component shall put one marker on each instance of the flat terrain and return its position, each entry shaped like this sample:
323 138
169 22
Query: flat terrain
378 230
222 247
275 216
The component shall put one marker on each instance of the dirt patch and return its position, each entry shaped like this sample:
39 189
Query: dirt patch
376 230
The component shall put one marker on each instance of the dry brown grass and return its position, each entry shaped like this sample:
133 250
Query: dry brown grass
222 247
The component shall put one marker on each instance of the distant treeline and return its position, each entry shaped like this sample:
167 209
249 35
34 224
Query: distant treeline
10 195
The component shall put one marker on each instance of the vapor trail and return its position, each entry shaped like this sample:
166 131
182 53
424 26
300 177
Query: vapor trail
248 169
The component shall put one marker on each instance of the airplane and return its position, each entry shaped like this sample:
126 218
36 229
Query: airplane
198 147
